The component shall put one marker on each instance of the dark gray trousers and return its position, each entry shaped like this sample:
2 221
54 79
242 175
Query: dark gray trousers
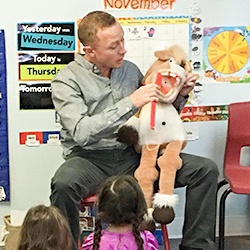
84 170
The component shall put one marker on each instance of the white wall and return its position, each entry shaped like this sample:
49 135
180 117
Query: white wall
31 168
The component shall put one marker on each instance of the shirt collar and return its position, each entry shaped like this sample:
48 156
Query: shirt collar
79 58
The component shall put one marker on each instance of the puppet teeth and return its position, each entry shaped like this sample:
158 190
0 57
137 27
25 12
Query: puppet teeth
165 73
169 92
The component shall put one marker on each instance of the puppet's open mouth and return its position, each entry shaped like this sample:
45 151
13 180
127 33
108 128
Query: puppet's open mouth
170 79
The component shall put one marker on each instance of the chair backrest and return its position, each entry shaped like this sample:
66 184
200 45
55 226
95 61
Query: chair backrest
238 134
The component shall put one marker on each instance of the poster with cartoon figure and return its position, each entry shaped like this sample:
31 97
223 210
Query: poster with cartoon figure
204 113
226 54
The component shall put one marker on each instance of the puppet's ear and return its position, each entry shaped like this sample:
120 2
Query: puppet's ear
186 65
163 54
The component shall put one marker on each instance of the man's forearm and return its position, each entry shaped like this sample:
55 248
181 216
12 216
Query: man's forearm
180 102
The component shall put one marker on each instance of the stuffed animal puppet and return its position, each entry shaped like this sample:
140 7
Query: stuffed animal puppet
157 132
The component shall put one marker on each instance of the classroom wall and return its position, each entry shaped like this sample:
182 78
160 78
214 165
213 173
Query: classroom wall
31 168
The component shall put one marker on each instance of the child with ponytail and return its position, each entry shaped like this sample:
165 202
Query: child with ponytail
122 206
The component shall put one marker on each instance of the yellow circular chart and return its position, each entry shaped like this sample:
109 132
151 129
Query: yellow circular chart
228 52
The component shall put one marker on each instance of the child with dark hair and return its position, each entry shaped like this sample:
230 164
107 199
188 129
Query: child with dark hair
45 228
121 204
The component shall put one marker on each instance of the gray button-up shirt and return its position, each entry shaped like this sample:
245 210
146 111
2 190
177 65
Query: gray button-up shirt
91 107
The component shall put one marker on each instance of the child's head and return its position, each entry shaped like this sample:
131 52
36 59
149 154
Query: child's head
45 228
121 201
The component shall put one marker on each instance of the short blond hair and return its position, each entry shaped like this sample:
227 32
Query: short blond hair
91 23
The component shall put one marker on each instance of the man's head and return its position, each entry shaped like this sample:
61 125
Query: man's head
91 23
103 40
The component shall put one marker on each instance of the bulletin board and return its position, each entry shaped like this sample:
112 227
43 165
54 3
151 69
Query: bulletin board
145 35
43 49
4 151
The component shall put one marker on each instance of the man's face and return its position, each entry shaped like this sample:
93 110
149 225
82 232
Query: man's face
109 49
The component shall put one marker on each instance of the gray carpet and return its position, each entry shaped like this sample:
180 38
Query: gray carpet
231 243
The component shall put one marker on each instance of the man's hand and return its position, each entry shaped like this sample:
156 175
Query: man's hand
145 94
191 78
151 92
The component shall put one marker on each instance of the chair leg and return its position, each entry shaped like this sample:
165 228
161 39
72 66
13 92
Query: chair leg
165 236
220 185
91 205
222 218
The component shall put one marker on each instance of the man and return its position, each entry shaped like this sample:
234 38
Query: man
94 95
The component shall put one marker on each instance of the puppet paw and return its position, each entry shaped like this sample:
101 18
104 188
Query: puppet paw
163 204
128 135
164 215
148 225
148 222
149 215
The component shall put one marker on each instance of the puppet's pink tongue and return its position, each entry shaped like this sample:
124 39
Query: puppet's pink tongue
165 88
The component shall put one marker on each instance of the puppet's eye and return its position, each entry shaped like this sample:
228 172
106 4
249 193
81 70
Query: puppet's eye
171 59
163 123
